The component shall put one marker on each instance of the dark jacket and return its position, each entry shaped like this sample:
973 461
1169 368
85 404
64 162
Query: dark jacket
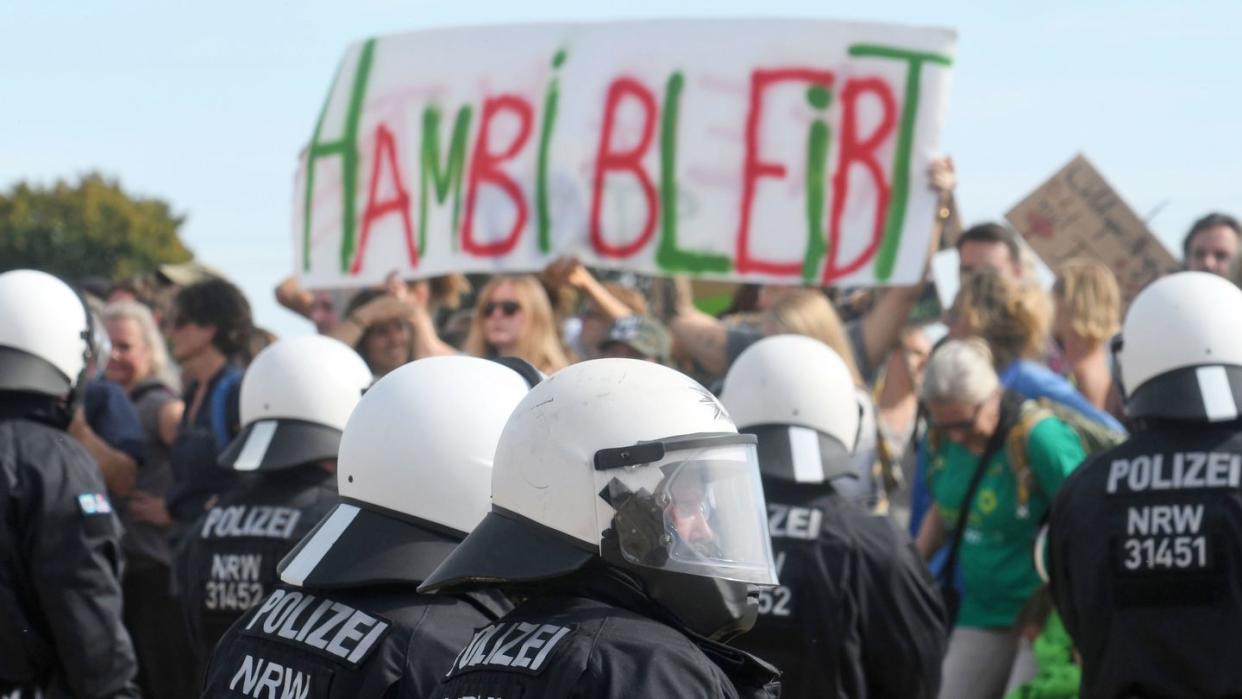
1145 559
373 641
857 614
599 638
60 594
227 563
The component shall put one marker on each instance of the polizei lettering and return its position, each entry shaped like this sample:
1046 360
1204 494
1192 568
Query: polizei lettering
251 520
785 522
268 680
320 625
1181 471
510 646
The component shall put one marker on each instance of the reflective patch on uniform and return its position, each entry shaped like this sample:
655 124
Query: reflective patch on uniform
319 625
257 521
94 504
1167 553
511 646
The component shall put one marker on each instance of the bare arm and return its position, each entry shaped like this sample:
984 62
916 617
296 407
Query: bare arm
695 333
931 534
610 306
427 342
881 327
169 419
291 295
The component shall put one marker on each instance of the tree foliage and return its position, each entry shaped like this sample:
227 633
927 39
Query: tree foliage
88 228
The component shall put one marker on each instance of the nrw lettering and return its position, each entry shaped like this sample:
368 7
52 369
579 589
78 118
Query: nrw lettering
265 679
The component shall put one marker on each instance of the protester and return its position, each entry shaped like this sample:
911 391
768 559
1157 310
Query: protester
899 422
139 364
636 337
210 334
856 613
1211 245
990 246
295 400
60 591
1088 315
1145 540
415 475
602 305
513 318
1015 319
1006 489
378 326
627 514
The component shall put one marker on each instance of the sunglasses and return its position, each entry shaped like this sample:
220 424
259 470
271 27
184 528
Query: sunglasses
508 308
968 424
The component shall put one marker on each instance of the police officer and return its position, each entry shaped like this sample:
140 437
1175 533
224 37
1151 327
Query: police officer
414 473
627 512
856 614
296 396
1145 540
60 595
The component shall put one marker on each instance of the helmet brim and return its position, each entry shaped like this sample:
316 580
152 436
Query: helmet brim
1211 393
505 549
357 544
269 445
22 371
801 454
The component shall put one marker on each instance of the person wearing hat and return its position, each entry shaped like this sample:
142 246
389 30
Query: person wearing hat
856 613
628 516
636 337
1144 540
414 479
61 632
295 399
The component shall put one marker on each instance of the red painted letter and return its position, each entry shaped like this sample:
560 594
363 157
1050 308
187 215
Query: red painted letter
754 168
607 159
863 152
484 167
399 203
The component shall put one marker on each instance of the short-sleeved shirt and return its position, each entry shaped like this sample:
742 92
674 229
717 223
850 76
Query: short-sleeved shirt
996 552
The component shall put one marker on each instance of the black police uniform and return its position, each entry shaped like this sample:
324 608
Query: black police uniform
597 635
228 562
60 595
856 614
1145 556
378 641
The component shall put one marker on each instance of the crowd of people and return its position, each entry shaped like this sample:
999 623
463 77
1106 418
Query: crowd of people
864 486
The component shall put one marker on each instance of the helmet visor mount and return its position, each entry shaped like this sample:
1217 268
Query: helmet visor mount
691 504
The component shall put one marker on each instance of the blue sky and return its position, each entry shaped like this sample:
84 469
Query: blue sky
207 105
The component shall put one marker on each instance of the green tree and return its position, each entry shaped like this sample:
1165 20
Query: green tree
88 228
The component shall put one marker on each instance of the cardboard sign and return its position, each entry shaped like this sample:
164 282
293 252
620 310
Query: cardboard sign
1077 214
783 151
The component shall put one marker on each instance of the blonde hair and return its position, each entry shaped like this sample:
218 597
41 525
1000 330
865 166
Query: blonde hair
808 312
161 364
960 371
1014 317
1090 298
538 343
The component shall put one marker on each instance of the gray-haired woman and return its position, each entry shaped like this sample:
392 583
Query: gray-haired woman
139 363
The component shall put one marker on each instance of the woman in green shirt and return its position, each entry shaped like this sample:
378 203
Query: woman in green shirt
987 654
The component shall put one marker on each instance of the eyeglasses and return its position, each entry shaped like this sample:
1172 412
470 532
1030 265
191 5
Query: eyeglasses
961 424
508 308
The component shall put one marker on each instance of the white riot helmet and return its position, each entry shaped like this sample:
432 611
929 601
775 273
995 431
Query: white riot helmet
636 464
414 473
1180 349
45 335
798 397
296 397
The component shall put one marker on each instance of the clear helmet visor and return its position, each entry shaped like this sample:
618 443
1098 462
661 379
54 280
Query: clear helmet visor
698 509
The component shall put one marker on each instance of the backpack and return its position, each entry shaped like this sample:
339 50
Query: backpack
1093 435
224 408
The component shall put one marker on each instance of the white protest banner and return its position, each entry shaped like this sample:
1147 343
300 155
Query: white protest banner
781 151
